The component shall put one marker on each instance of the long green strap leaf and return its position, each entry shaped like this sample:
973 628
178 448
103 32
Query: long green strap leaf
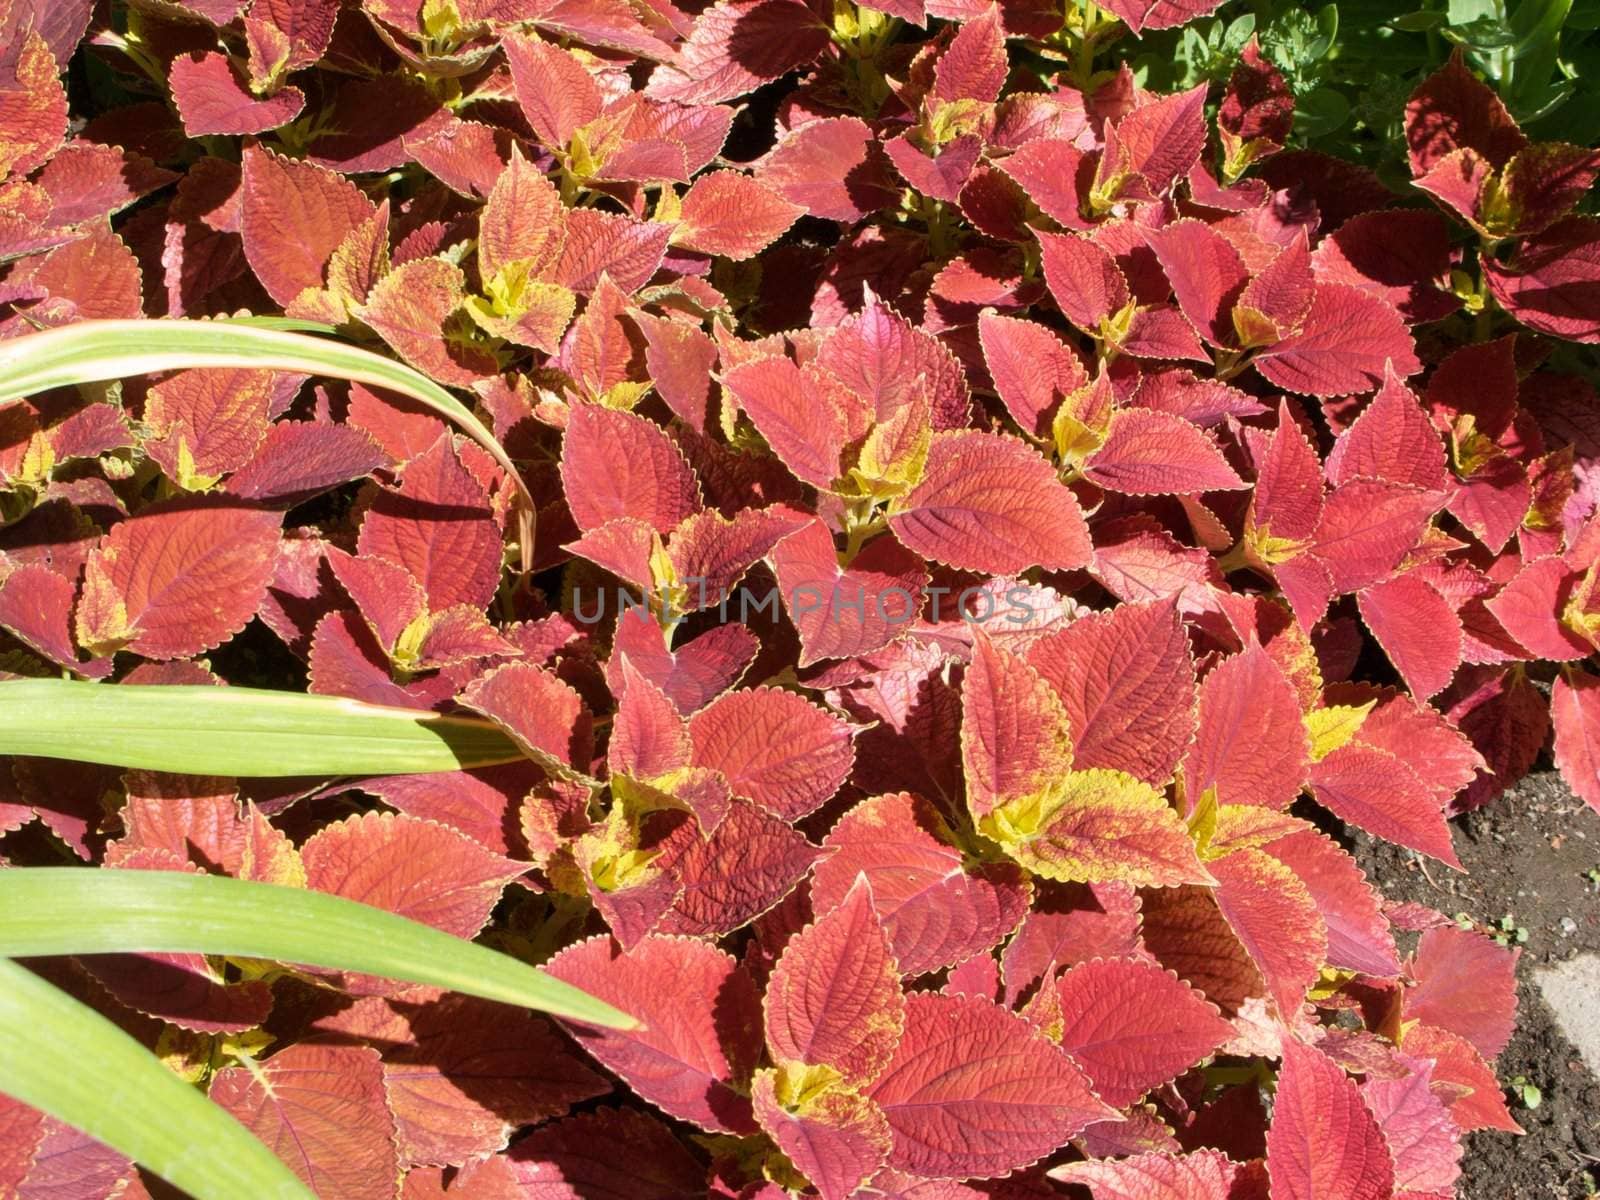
76 910
97 351
199 730
63 1058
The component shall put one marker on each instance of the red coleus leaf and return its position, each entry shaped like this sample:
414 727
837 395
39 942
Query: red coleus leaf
1275 302
1348 337
410 309
207 423
1443 758
1507 720
837 1140
180 989
1257 109
775 748
1098 825
833 168
1530 607
843 612
93 277
489 1179
33 103
1250 743
1474 1095
974 65
1055 175
939 175
1207 276
85 180
609 1152
974 1091
321 1109
521 222
737 45
1419 630
1068 924
1550 283
747 864
1575 714
710 553
1158 141
879 356
1198 1175
213 97
936 908
1084 279
1422 1137
1377 791
1276 920
22 1130
990 503
1466 984
36 605
1358 932
470 1072
1133 1026
1367 527
1148 453
648 736
1399 255
177 579
1126 682
615 464
307 26
1452 110
301 459
733 215
554 90
805 414
692 675
1392 439
541 712
438 525
1159 14
699 1038
1033 369
602 244
294 216
1015 734
1323 1140
1543 182
834 999
416 868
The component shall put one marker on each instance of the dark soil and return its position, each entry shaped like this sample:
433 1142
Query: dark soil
1528 857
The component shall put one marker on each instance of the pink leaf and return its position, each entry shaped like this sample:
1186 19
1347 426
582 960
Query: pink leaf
699 1038
936 908
973 1091
1126 680
990 503
321 1108
1323 1141
1150 453
834 996
1133 1026
774 748
177 579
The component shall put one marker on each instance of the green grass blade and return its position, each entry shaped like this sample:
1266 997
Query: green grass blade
98 351
199 730
77 910
63 1058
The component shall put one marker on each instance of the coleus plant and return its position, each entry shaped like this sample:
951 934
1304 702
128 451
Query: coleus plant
961 537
